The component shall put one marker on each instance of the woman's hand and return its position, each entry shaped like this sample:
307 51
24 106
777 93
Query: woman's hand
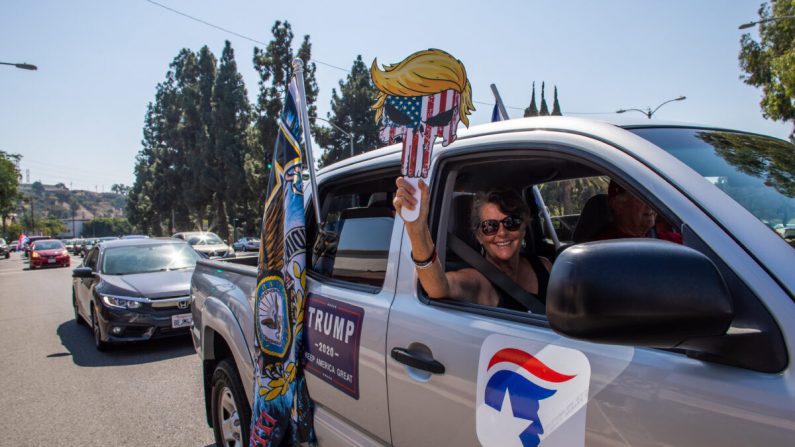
404 197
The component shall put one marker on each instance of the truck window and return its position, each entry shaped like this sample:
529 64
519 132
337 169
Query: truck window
565 200
353 242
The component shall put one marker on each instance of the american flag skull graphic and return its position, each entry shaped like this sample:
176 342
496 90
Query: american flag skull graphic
417 121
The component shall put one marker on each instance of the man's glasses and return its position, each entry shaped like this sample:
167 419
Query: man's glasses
490 227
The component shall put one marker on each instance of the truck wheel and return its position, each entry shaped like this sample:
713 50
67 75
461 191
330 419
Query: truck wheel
230 413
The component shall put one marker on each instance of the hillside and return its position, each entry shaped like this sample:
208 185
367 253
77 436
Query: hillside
59 202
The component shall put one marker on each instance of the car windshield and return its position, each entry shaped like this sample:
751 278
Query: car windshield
48 245
205 239
756 171
148 258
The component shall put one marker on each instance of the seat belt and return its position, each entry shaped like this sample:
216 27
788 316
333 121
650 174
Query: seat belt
495 275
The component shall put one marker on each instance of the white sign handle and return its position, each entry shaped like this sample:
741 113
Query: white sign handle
407 214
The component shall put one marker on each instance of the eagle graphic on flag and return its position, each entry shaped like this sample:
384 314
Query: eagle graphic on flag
282 406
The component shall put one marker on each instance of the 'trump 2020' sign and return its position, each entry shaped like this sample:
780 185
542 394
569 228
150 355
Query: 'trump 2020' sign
333 331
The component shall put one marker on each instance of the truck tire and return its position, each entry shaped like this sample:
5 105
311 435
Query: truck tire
231 415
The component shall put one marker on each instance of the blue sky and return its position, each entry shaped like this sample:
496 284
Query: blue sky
78 119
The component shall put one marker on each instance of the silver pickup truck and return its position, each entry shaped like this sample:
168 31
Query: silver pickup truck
642 342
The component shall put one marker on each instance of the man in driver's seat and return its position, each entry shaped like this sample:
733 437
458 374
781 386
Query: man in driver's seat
632 217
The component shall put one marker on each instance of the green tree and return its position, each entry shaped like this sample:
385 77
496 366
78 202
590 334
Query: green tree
120 189
51 226
9 186
544 109
230 121
556 104
274 65
532 109
350 110
107 226
770 63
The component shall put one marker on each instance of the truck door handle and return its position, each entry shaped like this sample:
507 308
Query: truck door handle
417 360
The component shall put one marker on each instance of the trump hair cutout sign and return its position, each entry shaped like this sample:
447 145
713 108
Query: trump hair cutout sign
422 97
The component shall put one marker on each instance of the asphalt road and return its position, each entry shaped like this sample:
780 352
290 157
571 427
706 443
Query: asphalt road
57 390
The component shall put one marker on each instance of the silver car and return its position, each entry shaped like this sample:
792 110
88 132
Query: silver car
206 243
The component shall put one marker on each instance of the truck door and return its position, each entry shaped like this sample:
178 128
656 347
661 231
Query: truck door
465 374
351 283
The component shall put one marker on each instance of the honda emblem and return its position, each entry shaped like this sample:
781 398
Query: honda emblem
183 304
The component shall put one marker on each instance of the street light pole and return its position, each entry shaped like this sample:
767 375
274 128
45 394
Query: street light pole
349 135
769 19
649 112
23 66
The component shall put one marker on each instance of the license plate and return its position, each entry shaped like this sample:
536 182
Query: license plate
181 320
51 260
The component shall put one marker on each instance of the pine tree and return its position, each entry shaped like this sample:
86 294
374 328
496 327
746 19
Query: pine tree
556 104
532 110
350 110
274 65
544 109
230 120
200 191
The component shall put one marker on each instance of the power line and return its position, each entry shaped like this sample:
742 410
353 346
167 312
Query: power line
204 22
234 33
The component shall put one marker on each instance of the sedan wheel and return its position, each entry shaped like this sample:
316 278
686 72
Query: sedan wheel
78 319
98 343
230 412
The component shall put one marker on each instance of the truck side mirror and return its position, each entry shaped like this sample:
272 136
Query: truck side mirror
638 292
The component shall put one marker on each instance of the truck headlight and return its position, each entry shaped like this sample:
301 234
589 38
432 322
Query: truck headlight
120 303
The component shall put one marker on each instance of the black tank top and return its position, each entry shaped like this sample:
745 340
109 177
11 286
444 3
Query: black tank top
542 276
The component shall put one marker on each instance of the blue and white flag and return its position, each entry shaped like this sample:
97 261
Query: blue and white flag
283 410
495 114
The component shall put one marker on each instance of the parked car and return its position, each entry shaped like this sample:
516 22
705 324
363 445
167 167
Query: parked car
69 244
639 341
5 250
135 236
246 244
207 243
90 243
49 253
30 240
134 290
14 246
787 233
77 246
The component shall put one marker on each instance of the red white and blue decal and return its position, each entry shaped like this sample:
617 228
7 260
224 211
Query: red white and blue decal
529 397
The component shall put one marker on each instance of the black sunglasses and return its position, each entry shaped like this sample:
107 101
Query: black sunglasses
490 227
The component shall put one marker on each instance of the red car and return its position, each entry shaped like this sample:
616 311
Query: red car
50 252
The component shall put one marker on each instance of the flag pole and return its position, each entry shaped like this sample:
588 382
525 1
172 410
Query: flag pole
536 192
500 105
298 72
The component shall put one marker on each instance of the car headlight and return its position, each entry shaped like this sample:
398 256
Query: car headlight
35 254
64 253
120 303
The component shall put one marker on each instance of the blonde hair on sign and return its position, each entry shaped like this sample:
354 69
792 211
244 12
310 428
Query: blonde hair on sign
423 73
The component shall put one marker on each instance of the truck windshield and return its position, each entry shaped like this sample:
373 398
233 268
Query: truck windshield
756 171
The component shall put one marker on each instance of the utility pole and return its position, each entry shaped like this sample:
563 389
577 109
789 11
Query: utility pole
32 215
